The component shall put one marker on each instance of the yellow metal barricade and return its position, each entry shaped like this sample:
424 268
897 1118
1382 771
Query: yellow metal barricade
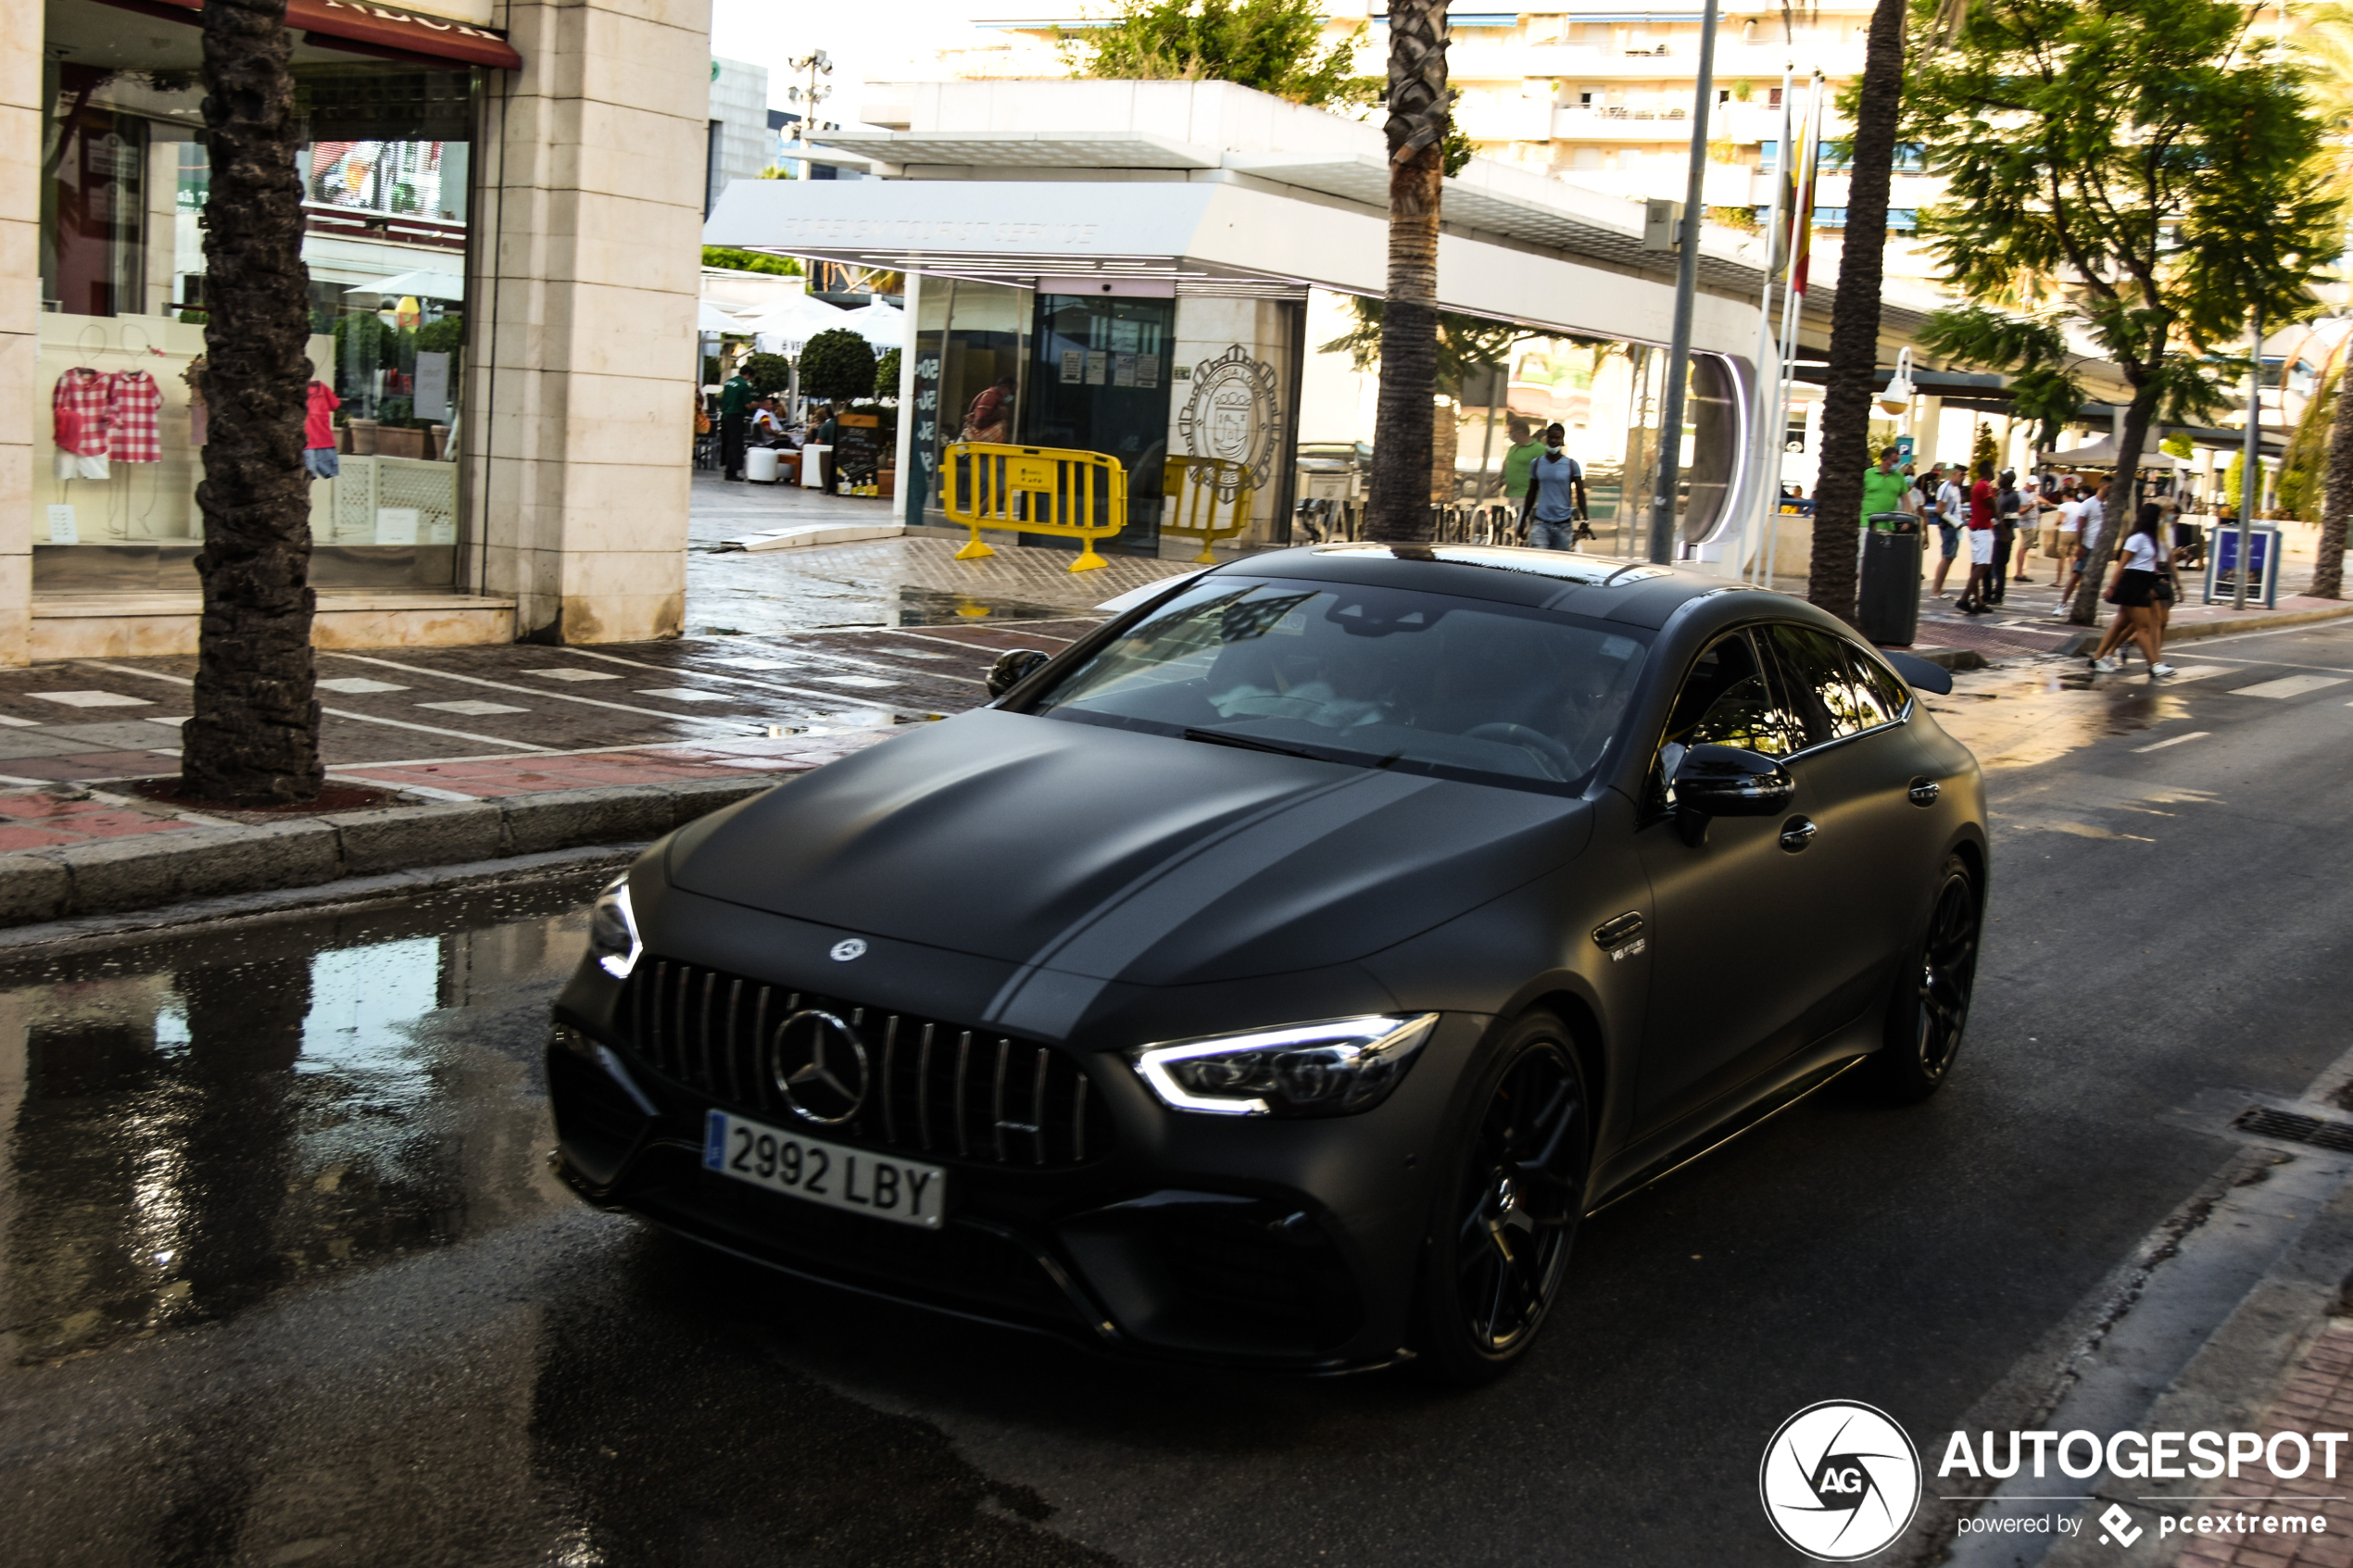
1213 500
1054 490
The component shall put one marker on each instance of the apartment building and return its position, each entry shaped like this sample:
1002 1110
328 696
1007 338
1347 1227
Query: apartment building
1601 95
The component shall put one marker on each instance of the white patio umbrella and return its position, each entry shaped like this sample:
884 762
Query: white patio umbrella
426 283
885 326
793 322
711 319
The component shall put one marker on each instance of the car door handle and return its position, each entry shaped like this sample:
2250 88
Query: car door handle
1925 791
1797 832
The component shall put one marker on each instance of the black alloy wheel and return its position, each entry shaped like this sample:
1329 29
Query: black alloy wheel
1929 1010
1508 1211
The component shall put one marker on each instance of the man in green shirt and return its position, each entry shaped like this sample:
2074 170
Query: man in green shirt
1883 486
1525 450
735 397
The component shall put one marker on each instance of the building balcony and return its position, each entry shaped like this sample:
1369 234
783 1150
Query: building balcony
1758 63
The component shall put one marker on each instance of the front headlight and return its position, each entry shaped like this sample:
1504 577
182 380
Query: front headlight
612 930
1330 1069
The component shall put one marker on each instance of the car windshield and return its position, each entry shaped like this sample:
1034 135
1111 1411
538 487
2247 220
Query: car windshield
1379 677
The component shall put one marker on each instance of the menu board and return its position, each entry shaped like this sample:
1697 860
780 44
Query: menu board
857 447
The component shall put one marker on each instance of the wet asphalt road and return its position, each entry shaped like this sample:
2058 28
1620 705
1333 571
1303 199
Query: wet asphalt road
286 1280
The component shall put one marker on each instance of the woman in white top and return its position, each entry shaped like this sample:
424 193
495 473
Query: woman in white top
2132 590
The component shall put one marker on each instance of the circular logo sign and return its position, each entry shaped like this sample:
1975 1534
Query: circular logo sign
820 1067
1233 413
1839 1480
848 949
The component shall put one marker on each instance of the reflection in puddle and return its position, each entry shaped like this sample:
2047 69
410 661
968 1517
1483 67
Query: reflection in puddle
193 1122
2020 717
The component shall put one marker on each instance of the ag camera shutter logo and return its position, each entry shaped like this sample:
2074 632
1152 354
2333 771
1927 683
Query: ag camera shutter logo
1839 1480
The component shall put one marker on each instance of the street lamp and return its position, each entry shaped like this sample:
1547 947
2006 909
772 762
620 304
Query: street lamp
815 63
1678 353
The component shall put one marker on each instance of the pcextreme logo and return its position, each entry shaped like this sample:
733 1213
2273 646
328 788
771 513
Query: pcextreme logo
1839 1480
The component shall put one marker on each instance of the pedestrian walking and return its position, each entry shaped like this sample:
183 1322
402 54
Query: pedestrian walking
1555 498
2005 512
1979 523
1884 486
1524 449
2093 525
736 395
2132 590
1948 506
2030 527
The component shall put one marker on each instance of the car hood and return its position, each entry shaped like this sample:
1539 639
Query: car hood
1121 856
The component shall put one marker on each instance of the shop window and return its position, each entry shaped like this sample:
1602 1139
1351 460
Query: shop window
119 416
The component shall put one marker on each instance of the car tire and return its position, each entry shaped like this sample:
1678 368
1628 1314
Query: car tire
1928 1010
1511 1196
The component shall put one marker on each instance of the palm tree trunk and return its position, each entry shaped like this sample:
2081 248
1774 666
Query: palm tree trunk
1853 364
2123 501
1398 508
2336 499
255 732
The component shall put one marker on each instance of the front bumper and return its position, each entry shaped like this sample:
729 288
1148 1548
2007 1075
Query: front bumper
1269 1243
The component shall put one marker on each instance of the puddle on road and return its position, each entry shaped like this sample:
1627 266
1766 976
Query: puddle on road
193 1122
2018 717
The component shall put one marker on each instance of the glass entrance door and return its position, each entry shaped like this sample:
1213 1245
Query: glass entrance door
1100 383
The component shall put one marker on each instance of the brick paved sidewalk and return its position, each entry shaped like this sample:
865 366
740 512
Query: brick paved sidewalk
71 814
2315 1396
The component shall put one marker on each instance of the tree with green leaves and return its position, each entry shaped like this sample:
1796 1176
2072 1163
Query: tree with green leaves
1398 506
2139 171
254 735
837 365
1273 46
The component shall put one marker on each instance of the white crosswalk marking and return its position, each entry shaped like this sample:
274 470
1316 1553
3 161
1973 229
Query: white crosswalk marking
472 709
2289 685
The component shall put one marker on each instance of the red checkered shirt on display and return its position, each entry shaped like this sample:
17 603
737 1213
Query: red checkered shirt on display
134 401
80 408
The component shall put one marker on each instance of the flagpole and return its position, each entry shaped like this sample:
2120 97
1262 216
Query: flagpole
1764 488
1801 243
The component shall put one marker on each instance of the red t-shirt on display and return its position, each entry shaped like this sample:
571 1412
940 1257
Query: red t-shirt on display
1981 503
318 423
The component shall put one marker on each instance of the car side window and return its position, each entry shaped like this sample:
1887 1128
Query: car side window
1835 691
1727 700
1893 694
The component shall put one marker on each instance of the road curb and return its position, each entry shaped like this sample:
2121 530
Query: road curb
2232 1380
2085 641
121 876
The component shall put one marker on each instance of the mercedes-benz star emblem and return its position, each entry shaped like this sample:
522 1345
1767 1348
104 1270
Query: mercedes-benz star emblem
848 949
820 1067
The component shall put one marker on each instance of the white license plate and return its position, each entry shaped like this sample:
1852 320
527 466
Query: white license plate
855 1179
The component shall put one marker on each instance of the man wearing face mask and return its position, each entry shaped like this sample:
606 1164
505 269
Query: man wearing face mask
1555 498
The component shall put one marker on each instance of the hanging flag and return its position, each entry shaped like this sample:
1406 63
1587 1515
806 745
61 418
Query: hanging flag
1786 171
1809 177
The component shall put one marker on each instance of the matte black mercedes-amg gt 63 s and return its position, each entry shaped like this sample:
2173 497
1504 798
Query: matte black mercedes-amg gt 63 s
1281 974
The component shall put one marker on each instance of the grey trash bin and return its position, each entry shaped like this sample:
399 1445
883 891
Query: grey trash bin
1887 609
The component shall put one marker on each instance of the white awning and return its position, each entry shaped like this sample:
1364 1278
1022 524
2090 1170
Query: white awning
425 284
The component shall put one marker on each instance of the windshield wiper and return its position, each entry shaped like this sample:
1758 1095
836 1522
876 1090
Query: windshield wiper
1219 737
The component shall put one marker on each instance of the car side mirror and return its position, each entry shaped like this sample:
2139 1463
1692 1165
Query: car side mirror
1919 673
1012 668
1724 781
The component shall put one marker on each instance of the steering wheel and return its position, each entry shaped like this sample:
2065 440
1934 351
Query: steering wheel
1564 761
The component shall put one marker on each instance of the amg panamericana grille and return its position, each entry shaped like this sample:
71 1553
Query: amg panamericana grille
934 1088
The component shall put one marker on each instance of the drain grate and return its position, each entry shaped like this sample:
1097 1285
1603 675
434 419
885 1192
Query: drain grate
2265 1123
